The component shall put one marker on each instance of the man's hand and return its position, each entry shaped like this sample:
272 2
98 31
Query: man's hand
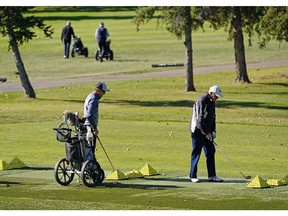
209 136
96 132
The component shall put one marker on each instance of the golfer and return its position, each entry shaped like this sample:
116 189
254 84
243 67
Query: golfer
91 108
101 34
203 131
66 36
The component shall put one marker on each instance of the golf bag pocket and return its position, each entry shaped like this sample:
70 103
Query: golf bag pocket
73 152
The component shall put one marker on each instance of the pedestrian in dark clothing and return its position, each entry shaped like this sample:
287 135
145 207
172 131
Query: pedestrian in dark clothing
66 36
203 131
101 35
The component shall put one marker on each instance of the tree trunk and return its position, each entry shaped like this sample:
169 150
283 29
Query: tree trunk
239 49
27 87
188 52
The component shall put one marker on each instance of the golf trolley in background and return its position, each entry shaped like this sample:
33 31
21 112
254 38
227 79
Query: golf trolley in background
108 54
79 48
79 159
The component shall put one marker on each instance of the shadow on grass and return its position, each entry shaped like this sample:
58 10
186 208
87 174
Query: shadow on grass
138 186
7 183
179 103
188 103
233 104
37 168
34 168
80 9
201 180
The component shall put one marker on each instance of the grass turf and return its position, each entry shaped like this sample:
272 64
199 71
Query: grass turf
152 129
144 121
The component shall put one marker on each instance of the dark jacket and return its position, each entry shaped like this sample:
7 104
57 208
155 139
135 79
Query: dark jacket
204 117
102 34
67 33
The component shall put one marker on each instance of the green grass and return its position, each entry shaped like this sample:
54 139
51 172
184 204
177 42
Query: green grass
251 129
134 51
143 121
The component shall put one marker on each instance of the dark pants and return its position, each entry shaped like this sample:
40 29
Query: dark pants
200 141
66 48
103 48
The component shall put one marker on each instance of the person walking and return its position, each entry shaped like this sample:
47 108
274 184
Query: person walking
66 36
91 108
203 131
101 35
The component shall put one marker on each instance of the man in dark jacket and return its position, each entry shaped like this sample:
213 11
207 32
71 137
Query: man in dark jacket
101 35
66 36
203 131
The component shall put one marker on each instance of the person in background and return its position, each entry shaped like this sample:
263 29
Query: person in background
101 35
91 108
203 131
66 36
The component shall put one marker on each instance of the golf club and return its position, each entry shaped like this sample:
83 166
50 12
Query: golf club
246 177
106 153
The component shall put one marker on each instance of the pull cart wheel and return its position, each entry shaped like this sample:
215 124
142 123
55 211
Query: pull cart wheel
63 172
91 173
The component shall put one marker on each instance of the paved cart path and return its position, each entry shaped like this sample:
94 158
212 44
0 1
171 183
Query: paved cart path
9 87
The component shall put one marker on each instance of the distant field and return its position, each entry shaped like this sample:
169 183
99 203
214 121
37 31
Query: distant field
134 51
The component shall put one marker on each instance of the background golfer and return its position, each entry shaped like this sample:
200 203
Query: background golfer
203 131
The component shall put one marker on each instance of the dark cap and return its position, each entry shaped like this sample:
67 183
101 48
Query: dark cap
102 86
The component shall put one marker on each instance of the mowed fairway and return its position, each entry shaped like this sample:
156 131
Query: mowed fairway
144 121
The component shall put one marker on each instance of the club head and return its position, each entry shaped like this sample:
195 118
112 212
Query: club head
247 177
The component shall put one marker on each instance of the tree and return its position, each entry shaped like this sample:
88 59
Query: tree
239 49
231 19
180 21
17 27
267 22
273 25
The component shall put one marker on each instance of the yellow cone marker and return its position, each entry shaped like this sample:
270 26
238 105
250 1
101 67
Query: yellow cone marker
4 165
275 182
17 163
147 170
258 182
134 174
116 175
285 179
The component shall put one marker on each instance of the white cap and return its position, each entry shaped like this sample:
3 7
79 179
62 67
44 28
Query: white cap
216 90
102 86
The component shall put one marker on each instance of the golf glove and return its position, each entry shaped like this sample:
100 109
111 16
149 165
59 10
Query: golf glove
214 134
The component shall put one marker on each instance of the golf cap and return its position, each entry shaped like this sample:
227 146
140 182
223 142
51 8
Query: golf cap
216 90
102 86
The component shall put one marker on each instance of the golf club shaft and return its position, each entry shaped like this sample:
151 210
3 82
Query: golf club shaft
105 153
229 159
